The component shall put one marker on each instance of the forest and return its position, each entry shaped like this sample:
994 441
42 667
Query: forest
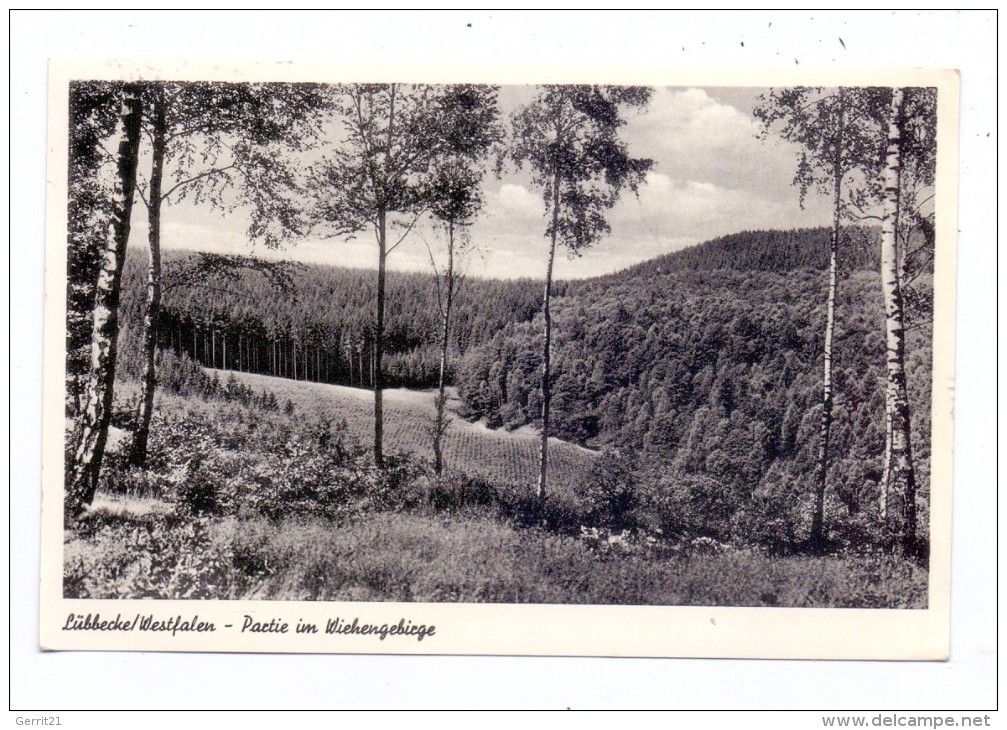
754 405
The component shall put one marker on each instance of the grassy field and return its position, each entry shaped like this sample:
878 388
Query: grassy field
509 457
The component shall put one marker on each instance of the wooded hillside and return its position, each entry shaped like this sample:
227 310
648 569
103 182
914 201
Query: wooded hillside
712 379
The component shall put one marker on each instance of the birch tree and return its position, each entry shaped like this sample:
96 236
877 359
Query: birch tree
871 193
470 129
900 477
94 114
378 178
834 141
568 139
458 200
82 480
223 145
911 247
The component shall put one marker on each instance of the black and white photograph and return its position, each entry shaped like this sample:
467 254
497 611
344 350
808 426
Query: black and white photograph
584 343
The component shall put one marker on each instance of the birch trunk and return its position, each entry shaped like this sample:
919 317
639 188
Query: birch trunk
901 497
440 425
886 460
83 481
138 451
543 476
379 346
817 537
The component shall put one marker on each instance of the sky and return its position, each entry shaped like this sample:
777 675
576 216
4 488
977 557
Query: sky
711 176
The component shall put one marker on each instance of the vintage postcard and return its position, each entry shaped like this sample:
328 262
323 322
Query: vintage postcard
444 360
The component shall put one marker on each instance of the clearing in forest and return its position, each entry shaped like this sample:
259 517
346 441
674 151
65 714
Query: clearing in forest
511 457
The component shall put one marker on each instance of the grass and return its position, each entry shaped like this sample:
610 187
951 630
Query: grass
464 557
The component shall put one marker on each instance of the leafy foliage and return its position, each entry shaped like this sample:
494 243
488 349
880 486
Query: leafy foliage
450 558
204 522
230 144
568 139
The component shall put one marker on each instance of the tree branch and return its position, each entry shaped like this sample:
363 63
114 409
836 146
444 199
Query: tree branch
142 195
207 173
408 229
437 274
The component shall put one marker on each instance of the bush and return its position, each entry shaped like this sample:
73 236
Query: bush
609 491
688 505
454 491
562 512
121 479
778 516
202 492
152 556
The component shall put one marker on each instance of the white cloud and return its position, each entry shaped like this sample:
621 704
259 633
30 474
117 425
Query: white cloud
517 199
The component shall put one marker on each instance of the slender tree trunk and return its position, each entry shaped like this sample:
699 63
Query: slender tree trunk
817 537
901 499
83 481
886 464
138 450
379 345
440 425
377 376
543 475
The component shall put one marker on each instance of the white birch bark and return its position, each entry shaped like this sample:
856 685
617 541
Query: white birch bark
83 480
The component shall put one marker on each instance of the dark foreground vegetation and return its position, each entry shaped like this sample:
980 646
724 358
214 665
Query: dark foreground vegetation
243 499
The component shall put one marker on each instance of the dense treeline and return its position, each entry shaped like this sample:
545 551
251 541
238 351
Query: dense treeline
711 381
321 328
776 250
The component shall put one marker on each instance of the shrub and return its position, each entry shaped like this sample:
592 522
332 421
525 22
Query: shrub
152 556
609 491
562 513
121 479
688 505
456 490
202 492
